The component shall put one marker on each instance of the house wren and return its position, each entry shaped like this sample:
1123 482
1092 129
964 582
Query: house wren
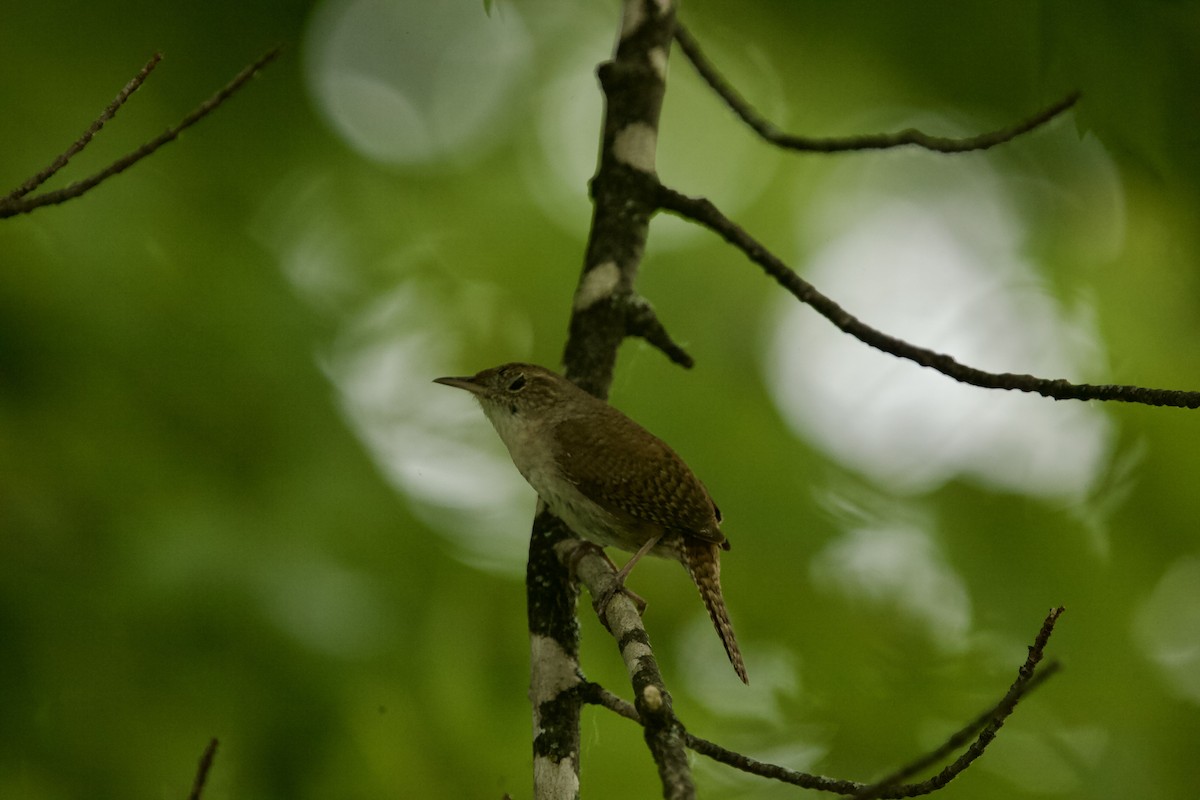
609 479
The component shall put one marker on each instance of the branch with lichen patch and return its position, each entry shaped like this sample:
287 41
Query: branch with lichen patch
633 82
620 615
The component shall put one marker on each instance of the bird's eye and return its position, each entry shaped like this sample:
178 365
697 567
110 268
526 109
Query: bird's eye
518 383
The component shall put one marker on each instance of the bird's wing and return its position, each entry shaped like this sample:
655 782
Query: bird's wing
619 465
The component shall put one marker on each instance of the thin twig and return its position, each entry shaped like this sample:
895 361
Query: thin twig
18 205
59 162
597 695
877 141
956 740
206 762
705 213
987 724
983 729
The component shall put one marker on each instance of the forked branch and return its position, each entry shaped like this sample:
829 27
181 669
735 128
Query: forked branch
874 141
979 733
626 193
108 113
18 201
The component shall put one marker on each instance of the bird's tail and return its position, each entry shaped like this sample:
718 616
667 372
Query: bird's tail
703 562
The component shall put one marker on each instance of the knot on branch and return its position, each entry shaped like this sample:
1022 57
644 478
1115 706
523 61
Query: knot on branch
653 705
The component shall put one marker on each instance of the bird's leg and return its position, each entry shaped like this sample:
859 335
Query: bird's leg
600 603
623 573
582 548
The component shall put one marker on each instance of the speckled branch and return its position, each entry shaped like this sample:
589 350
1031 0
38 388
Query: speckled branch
605 311
664 734
633 82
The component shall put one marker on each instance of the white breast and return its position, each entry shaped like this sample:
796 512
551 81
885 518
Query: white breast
532 452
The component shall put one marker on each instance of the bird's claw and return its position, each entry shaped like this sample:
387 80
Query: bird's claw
600 604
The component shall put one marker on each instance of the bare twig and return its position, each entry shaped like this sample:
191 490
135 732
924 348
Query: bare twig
983 730
988 724
206 762
877 141
705 213
58 163
958 739
16 203
597 695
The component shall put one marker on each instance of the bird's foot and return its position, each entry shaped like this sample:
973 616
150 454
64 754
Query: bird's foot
600 604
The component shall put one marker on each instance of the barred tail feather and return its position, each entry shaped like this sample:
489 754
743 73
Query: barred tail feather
703 563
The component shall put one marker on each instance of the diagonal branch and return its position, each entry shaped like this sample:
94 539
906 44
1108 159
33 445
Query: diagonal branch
664 734
17 203
983 730
960 738
202 770
703 212
988 725
877 141
614 606
58 163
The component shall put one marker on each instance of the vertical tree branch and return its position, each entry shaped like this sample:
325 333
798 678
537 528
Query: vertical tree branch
633 82
554 663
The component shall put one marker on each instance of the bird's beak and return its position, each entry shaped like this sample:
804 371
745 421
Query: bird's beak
461 383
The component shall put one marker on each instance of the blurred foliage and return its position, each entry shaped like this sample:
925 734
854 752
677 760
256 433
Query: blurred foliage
225 508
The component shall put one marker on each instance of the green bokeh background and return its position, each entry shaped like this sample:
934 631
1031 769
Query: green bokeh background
198 539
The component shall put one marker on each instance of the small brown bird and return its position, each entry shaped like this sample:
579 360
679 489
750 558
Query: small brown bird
609 479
